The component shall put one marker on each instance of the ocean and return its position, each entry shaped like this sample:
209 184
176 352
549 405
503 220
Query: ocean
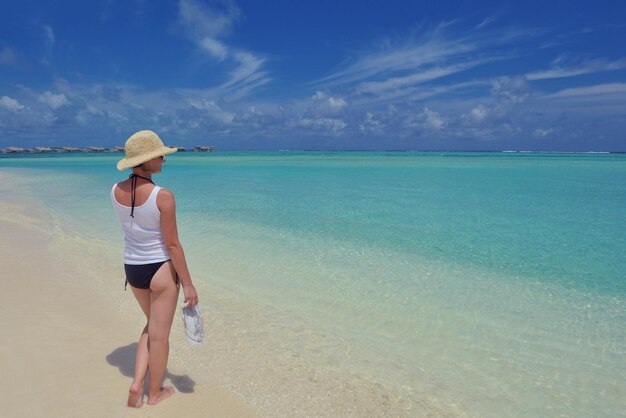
487 284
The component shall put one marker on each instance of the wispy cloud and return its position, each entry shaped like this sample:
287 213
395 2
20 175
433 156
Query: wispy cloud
206 25
394 83
597 90
203 20
214 47
417 93
487 21
248 74
394 60
572 71
422 67
49 34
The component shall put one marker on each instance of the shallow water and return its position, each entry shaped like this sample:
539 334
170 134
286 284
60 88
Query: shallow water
489 282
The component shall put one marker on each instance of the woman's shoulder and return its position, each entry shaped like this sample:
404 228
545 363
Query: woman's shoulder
165 197
124 184
165 192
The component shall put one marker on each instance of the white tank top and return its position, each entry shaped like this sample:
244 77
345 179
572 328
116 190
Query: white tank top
143 239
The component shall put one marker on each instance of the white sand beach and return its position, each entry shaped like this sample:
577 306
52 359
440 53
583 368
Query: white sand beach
68 341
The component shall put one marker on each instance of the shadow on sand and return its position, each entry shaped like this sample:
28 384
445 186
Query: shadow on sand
124 359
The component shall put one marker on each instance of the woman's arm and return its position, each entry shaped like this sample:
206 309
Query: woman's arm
167 206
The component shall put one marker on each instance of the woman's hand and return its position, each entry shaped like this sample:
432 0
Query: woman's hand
191 296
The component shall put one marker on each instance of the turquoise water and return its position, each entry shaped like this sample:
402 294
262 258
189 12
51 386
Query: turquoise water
491 281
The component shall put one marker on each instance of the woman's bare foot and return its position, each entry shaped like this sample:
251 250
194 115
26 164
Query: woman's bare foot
135 396
164 393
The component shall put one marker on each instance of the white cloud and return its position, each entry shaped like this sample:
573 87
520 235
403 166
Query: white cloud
247 69
324 124
336 103
49 34
427 66
510 89
202 20
10 104
586 68
399 59
84 115
431 56
424 74
556 73
478 114
400 83
325 105
204 25
319 95
487 21
321 113
372 124
542 133
597 90
53 100
215 47
211 109
433 120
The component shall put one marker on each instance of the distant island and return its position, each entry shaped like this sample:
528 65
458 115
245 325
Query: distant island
43 150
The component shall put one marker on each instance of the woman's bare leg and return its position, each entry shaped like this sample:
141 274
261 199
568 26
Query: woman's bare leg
163 299
135 393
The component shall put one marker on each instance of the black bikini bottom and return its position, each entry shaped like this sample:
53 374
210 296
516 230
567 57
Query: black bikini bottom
140 275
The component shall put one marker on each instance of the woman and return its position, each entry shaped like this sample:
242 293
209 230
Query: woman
154 260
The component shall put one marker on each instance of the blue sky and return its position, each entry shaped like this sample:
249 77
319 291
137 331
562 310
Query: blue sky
483 75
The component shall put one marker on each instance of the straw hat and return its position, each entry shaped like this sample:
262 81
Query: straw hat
142 146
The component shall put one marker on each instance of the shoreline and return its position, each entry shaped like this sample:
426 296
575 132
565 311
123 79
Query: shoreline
95 324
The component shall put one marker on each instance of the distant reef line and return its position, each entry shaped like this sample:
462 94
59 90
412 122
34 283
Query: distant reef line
51 150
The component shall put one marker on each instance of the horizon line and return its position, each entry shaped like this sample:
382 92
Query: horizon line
204 148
